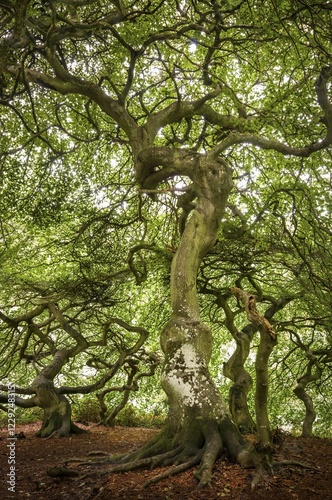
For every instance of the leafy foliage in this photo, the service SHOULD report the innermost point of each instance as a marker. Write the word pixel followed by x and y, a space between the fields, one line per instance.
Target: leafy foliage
pixel 95 95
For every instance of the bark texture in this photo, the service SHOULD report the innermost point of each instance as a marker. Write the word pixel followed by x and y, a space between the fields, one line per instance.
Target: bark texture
pixel 313 372
pixel 234 369
pixel 238 393
pixel 198 429
pixel 57 420
pixel 267 342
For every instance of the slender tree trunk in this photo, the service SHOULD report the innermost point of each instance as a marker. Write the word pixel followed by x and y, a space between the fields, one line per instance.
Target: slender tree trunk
pixel 234 367
pixel 301 393
pixel 264 350
pixel 109 419
pixel 238 393
pixel 267 343
pixel 310 414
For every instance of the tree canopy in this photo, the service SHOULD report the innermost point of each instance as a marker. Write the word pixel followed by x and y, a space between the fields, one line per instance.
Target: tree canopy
pixel 165 172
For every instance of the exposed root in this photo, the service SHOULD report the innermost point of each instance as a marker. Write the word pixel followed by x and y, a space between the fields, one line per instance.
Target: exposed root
pixel 161 443
pixel 97 453
pixel 78 460
pixel 200 445
pixel 284 463
pixel 266 467
pixel 75 429
pixel 64 430
pixel 212 451
pixel 263 472
pixel 172 471
pixel 62 472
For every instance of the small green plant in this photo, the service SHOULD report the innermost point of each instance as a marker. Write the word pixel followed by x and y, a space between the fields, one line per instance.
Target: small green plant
pixel 133 417
pixel 3 419
pixel 22 416
pixel 86 409
pixel 29 415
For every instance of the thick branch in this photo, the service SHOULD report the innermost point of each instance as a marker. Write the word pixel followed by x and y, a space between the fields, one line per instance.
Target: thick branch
pixel 21 402
pixel 60 358
pixel 88 389
pixel 65 83
pixel 173 161
pixel 305 151
pixel 123 355
pixel 177 111
pixel 249 302
pixel 26 317
pixel 75 334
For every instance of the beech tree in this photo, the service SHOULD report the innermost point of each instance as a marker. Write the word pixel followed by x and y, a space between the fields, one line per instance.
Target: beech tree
pixel 200 97
pixel 63 292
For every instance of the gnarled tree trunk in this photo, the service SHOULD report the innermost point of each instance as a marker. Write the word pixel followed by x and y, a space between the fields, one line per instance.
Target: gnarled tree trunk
pixel 267 342
pixel 57 420
pixel 197 415
pixel 198 429
pixel 238 393
pixel 301 392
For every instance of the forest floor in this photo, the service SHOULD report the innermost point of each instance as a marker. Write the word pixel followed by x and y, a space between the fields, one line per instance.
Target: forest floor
pixel 33 456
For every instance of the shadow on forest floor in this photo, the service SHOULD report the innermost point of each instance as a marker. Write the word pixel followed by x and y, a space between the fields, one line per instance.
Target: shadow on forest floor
pixel 33 456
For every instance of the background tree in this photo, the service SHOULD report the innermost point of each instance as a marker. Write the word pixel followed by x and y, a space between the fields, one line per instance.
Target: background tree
pixel 57 319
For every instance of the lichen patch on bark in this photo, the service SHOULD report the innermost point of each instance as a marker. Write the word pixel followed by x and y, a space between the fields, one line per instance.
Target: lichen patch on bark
pixel 183 375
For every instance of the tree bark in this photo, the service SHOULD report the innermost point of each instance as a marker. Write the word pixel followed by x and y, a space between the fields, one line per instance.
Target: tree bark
pixel 267 343
pixel 301 393
pixel 238 393
pixel 57 420
pixel 264 350
pixel 235 371
pixel 198 428
pixel 185 340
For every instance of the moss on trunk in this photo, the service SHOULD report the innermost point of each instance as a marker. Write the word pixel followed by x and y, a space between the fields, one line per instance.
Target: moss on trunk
pixel 238 393
pixel 198 429
pixel 57 420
